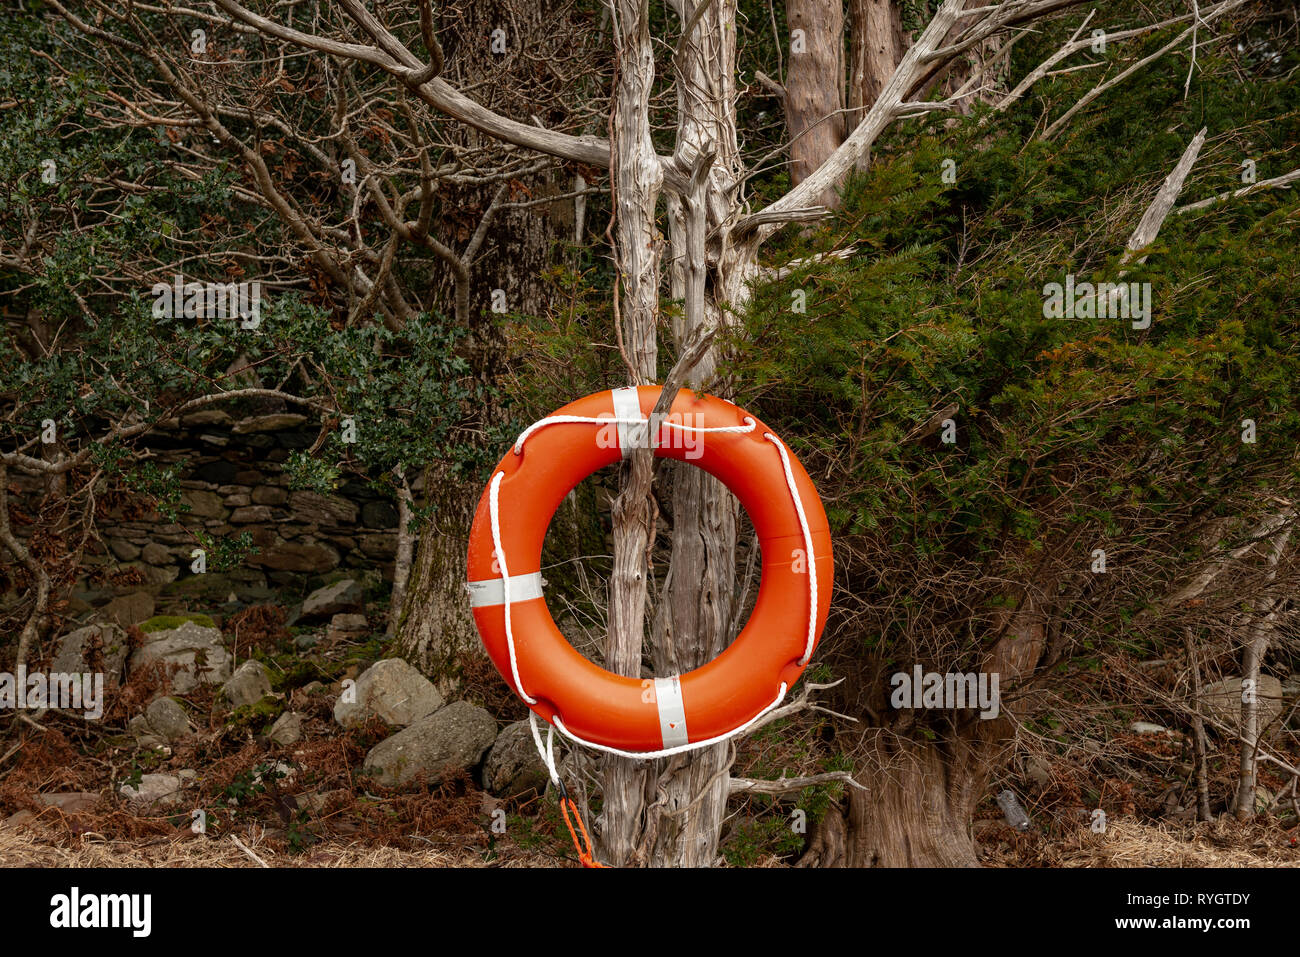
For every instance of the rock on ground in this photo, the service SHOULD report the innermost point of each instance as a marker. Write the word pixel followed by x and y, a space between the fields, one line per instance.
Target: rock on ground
pixel 71 802
pixel 1146 727
pixel 1222 702
pixel 287 729
pixel 343 597
pixel 391 689
pixel 167 719
pixel 456 736
pixel 153 788
pixel 248 685
pixel 513 765
pixel 184 646
pixel 91 648
pixel 145 736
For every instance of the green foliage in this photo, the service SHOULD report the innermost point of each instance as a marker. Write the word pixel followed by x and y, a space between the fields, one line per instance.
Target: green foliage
pixel 1070 433
pixel 251 783
pixel 258 716
pixel 756 838
pixel 228 552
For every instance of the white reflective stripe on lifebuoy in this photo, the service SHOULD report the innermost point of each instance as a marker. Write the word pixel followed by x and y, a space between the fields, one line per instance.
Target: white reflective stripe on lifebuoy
pixel 627 405
pixel 672 711
pixel 493 592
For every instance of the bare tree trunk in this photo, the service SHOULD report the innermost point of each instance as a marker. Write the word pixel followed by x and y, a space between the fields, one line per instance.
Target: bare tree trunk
pixel 1198 731
pixel 435 630
pixel 876 48
pixel 41 585
pixel 814 87
pixel 1258 633
pixel 405 552
pixel 637 178
pixel 922 794
pixel 709 276
pixel 922 799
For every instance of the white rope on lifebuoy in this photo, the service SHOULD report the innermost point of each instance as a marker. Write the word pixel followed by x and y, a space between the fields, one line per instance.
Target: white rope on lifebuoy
pixel 669 752
pixel 547 753
pixel 593 420
pixel 808 547
pixel 493 489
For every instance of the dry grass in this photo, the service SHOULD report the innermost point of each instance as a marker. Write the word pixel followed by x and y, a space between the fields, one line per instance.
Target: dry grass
pixel 1128 843
pixel 31 847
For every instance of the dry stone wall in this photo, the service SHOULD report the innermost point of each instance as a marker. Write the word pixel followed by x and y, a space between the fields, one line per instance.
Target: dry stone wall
pixel 232 482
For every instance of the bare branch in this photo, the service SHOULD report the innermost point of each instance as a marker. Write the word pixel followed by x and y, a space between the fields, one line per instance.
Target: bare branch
pixel 782 786
pixel 1149 226
pixel 1120 77
pixel 401 63
pixel 1277 182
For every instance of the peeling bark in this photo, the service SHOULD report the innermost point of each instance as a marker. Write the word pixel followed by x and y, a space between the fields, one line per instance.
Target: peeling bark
pixel 637 179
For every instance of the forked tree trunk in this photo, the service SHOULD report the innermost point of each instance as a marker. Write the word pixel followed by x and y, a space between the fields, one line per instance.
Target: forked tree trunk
pixel 669 813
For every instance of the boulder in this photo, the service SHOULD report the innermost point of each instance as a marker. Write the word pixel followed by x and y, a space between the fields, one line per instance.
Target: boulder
pixel 306 640
pixel 145 736
pixel 1037 768
pixel 378 515
pixel 348 623
pixel 342 597
pixel 167 719
pixel 94 648
pixel 1222 702
pixel 287 729
pixel 155 574
pixel 513 766
pixel 195 651
pixel 205 417
pixel 71 802
pixel 153 789
pixel 248 685
pixel 1146 727
pixel 456 736
pixel 392 690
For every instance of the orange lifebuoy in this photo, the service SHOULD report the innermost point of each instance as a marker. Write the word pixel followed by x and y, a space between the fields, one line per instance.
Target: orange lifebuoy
pixel 584 700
